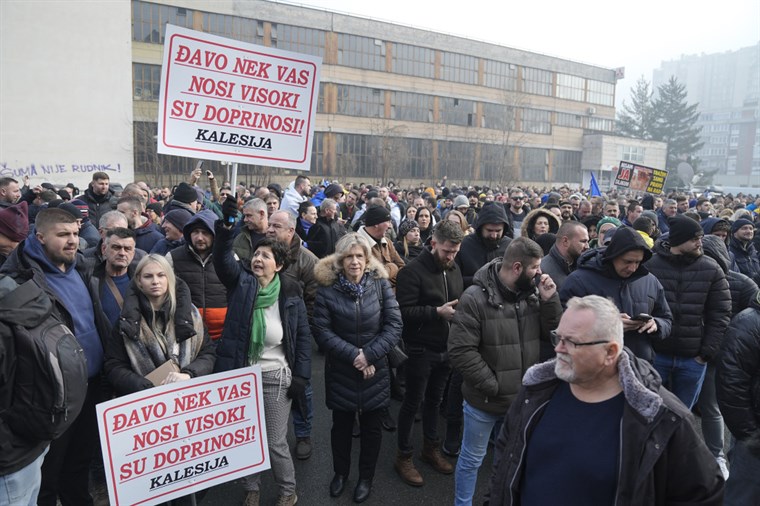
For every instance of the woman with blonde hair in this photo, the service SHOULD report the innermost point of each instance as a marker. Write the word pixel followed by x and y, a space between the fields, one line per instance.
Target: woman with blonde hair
pixel 458 217
pixel 357 321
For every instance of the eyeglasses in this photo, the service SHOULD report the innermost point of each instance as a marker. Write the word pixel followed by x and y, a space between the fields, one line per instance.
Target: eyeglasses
pixel 556 339
pixel 518 198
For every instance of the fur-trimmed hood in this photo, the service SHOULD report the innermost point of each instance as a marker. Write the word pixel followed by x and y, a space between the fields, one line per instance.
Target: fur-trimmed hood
pixel 527 224
pixel 639 380
pixel 326 274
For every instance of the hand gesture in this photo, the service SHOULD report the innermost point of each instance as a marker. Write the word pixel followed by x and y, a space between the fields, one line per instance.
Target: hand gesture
pixel 546 287
pixel 360 362
pixel 447 311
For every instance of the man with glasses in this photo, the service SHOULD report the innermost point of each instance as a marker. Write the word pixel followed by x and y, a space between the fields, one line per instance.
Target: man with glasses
pixel 517 209
pixel 617 272
pixel 493 339
pixel 594 426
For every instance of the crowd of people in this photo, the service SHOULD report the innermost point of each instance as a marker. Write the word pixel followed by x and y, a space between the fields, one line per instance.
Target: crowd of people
pixel 571 334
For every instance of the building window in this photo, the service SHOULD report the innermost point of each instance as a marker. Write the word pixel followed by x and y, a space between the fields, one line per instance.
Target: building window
pixel 355 155
pixel 569 120
pixel 533 162
pixel 321 98
pixel 500 75
pixel 317 154
pixel 419 156
pixel 411 107
pixel 149 21
pixel 566 166
pixel 497 163
pixel 498 117
pixel 413 60
pixel 455 111
pixel 633 154
pixel 299 39
pixel 233 27
pixel 601 93
pixel 146 81
pixel 601 124
pixel 571 87
pixel 535 121
pixel 457 159
pixel 358 101
pixel 361 52
pixel 537 82
pixel 459 68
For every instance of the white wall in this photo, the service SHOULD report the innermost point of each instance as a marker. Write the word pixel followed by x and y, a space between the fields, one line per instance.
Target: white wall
pixel 65 91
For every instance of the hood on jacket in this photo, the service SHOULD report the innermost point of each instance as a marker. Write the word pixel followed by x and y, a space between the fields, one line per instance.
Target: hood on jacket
pixel 326 273
pixel 205 219
pixel 708 224
pixel 26 305
pixel 487 278
pixel 493 213
pixel 626 239
pixel 639 380
pixel 715 248
pixel 530 221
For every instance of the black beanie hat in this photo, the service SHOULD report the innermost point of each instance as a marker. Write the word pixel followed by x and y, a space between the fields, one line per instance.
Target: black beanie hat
pixel 375 215
pixel 682 229
pixel 739 224
pixel 185 193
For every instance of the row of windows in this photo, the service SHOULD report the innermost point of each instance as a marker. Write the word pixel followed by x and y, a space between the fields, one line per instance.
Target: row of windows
pixel 633 153
pixel 149 25
pixel 405 106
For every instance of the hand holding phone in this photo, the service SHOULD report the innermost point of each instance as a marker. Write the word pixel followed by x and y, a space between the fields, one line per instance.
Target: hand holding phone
pixel 642 317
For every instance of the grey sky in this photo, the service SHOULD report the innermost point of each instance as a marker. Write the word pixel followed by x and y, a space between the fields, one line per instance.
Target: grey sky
pixel 635 35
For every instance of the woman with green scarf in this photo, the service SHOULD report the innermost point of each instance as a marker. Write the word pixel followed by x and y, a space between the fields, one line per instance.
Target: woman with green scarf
pixel 266 325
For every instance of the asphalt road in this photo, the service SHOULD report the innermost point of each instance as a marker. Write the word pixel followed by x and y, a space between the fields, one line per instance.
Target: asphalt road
pixel 313 476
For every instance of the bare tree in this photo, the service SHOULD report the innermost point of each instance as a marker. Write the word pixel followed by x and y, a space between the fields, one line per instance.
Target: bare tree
pixel 506 136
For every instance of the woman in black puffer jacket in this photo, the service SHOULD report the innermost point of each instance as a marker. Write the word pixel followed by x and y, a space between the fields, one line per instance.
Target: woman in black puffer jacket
pixel 356 322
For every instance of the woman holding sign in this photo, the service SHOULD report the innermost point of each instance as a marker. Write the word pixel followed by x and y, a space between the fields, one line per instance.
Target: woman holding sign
pixel 159 338
pixel 266 325
pixel 356 322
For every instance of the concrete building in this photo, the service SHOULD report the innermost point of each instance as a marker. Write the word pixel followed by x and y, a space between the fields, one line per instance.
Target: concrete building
pixel 727 88
pixel 396 103
pixel 602 154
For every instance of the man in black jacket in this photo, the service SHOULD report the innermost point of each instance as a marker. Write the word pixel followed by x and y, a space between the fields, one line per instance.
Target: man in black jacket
pixel 595 425
pixel 324 234
pixel 490 240
pixel 428 290
pixel 697 291
pixel 737 378
pixel 50 257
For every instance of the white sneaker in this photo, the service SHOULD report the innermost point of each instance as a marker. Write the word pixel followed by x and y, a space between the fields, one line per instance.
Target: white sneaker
pixel 723 467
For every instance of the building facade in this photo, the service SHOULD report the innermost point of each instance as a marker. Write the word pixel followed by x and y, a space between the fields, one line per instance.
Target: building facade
pixel 395 102
pixel 603 153
pixel 727 88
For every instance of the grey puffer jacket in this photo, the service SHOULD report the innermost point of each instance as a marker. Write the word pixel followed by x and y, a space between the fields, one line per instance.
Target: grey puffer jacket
pixel 495 337
pixel 344 324
pixel 663 461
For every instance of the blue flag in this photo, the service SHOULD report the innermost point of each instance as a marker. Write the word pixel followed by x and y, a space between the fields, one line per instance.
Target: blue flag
pixel 594 187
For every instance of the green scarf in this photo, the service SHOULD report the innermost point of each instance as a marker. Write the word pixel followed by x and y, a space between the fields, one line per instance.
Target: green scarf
pixel 265 298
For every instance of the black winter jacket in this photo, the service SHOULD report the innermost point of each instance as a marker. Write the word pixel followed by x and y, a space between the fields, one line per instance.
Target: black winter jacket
pixel 475 252
pixel 639 293
pixel 242 288
pixel 343 325
pixel 738 376
pixel 746 258
pixel 495 336
pixel 421 287
pixel 187 324
pixel 663 461
pixel 323 236
pixel 98 205
pixel 699 297
pixel 26 305
pixel 743 289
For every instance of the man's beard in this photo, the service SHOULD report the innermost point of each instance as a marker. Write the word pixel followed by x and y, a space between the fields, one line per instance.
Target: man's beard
pixel 566 215
pixel 443 264
pixel 523 282
pixel 490 243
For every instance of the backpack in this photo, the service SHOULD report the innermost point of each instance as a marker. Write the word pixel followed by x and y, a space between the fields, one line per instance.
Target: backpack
pixel 50 383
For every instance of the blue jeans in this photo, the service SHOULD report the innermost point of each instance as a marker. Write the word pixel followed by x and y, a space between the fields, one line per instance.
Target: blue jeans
pixel 477 429
pixel 681 375
pixel 712 420
pixel 21 488
pixel 301 427
pixel 742 487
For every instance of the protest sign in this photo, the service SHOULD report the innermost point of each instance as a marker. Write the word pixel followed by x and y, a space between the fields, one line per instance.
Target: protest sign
pixel 172 440
pixel 640 178
pixel 227 100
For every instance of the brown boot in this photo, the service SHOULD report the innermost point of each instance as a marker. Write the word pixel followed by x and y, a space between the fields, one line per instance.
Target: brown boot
pixel 431 454
pixel 405 469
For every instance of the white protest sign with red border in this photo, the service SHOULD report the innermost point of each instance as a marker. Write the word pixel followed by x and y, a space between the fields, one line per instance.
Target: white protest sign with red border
pixel 172 440
pixel 227 100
